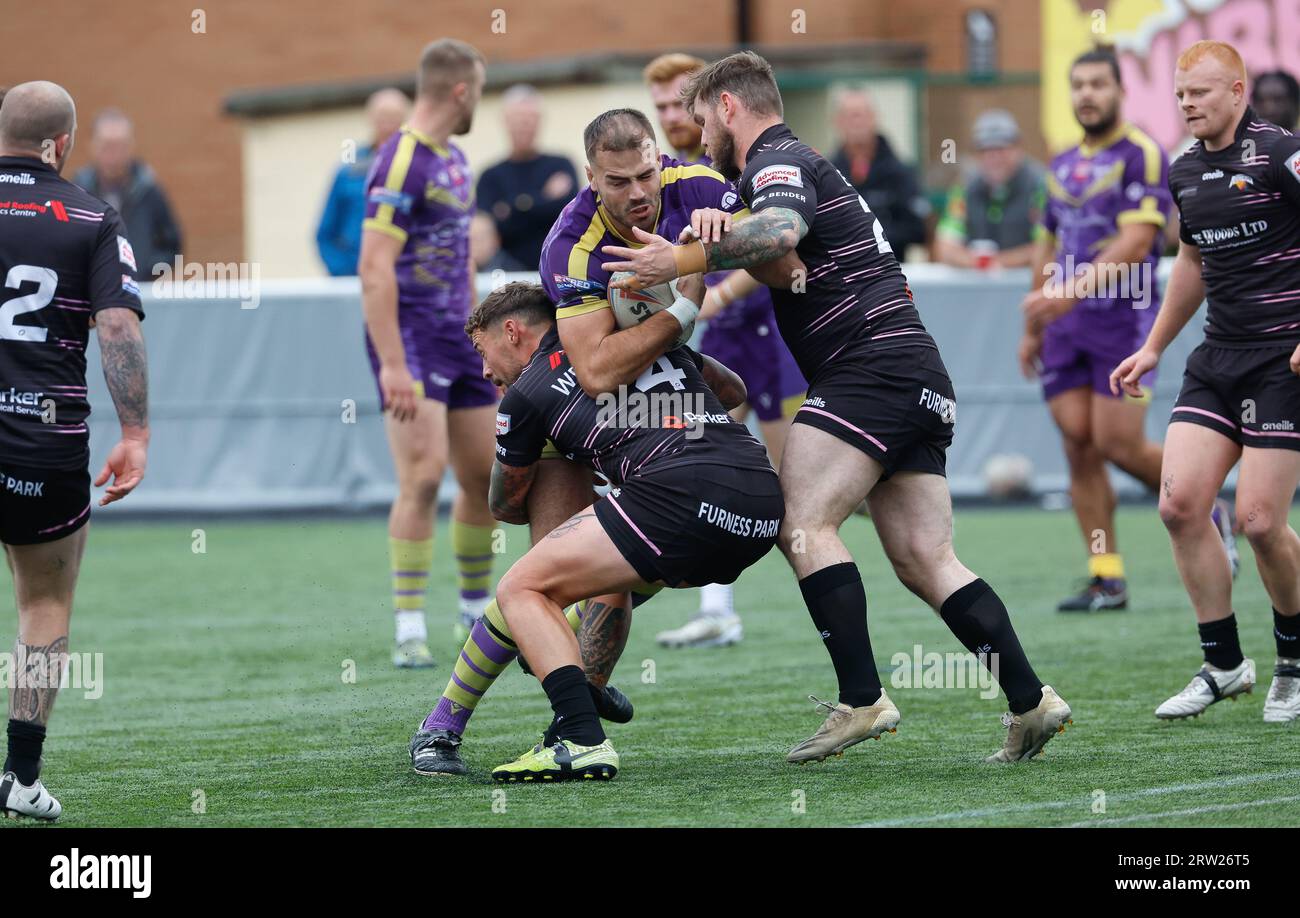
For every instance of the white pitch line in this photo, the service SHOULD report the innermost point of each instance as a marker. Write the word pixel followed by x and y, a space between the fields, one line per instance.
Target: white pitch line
pixel 1082 801
pixel 1191 811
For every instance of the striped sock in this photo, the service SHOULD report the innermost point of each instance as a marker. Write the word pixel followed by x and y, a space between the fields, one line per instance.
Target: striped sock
pixel 485 656
pixel 409 562
pixel 473 547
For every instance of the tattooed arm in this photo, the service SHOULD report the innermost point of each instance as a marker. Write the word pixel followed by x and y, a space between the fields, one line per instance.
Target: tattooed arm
pixel 762 237
pixel 121 347
pixel 508 492
pixel 604 631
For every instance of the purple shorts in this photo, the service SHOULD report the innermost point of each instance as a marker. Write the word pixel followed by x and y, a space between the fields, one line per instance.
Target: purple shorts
pixel 753 352
pixel 445 366
pixel 1081 349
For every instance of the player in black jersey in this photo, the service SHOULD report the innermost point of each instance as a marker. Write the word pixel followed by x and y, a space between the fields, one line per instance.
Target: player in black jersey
pixel 1238 191
pixel 879 413
pixel 694 500
pixel 67 265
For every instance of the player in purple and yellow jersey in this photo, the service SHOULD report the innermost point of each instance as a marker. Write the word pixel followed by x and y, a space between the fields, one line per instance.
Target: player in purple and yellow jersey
pixel 741 334
pixel 417 288
pixel 1094 301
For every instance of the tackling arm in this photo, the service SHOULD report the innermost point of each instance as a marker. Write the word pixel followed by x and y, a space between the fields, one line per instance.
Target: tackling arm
pixel 508 491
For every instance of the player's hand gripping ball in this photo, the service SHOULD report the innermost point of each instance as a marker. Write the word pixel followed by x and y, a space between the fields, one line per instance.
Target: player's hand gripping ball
pixel 632 307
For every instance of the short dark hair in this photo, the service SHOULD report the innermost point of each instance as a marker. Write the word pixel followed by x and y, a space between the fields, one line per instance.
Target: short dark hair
pixel 1289 85
pixel 1100 55
pixel 745 75
pixel 519 299
pixel 617 130
pixel 443 64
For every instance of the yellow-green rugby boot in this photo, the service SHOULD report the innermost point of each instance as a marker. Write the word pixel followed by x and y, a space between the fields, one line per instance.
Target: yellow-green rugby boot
pixel 564 761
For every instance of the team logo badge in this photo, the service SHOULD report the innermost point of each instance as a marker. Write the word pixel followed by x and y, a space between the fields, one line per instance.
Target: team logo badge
pixel 125 254
pixel 777 175
pixel 1239 182
pixel 728 199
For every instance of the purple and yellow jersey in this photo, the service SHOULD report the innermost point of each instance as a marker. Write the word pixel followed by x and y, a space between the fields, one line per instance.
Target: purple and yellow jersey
pixel 1094 190
pixel 571 256
pixel 422 194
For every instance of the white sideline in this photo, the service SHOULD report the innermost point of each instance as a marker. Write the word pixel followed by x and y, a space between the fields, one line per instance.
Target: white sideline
pixel 1191 811
pixel 1082 801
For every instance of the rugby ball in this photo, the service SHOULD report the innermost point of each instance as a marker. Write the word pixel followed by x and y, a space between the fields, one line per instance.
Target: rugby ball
pixel 632 307
pixel 1009 476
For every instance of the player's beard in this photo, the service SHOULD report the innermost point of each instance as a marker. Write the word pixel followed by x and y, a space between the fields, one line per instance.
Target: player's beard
pixel 1105 123
pixel 723 153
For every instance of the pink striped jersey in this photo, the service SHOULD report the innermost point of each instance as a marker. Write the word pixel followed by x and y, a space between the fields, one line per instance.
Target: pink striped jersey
pixel 64 256
pixel 667 418
pixel 856 299
pixel 1241 207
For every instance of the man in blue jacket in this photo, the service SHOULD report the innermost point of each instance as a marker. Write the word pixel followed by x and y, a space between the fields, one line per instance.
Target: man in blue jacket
pixel 338 238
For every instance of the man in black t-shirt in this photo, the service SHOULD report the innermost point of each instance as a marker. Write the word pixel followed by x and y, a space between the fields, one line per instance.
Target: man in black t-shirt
pixel 879 414
pixel 67 265
pixel 694 500
pixel 1238 193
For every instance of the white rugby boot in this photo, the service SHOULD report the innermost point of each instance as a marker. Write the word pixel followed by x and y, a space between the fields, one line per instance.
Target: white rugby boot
pixel 1209 686
pixel 1283 703
pixel 18 800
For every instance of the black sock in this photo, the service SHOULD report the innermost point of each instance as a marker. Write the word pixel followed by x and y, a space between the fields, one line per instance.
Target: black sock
pixel 838 606
pixel 978 618
pixel 1286 631
pixel 24 759
pixel 575 711
pixel 1219 643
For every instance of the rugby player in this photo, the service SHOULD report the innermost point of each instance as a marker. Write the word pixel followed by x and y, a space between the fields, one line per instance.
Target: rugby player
pixel 560 489
pixel 67 265
pixel 694 499
pixel 1238 192
pixel 741 333
pixel 879 414
pixel 417 286
pixel 1094 302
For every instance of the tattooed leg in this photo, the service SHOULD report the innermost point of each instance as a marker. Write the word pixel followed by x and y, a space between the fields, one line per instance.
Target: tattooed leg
pixel 44 579
pixel 603 635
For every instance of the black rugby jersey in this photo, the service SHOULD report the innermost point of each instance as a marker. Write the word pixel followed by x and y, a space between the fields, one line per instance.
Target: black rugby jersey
pixel 668 419
pixel 1241 207
pixel 856 298
pixel 64 256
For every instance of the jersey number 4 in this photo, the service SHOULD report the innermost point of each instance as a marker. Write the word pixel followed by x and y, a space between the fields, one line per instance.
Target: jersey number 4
pixel 32 302
pixel 661 371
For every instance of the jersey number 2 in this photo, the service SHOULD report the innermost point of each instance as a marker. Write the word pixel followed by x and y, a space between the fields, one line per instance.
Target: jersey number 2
pixel 32 302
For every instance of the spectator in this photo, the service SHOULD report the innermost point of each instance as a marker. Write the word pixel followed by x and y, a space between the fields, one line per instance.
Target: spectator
pixel 1276 98
pixel 523 194
pixel 128 184
pixel 990 217
pixel 338 237
pixel 867 160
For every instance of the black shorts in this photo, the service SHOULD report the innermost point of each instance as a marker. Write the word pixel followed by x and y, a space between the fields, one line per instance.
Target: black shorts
pixel 42 505
pixel 693 524
pixel 1248 395
pixel 897 406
